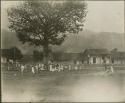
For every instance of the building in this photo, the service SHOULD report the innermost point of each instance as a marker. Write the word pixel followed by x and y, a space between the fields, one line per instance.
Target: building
pixel 117 57
pixel 96 56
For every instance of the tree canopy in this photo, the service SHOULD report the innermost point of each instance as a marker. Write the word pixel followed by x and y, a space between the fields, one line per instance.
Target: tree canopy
pixel 45 23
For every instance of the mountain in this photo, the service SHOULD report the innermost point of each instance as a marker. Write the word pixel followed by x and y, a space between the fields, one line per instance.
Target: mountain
pixel 9 39
pixel 89 39
pixel 73 42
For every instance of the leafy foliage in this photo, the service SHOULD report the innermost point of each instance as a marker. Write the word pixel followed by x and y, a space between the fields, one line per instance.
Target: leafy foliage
pixel 44 23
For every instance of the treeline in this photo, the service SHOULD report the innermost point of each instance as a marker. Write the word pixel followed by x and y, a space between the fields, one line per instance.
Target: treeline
pixel 13 53
pixel 57 56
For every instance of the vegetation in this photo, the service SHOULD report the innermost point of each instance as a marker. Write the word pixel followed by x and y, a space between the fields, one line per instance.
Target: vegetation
pixel 13 53
pixel 38 56
pixel 46 23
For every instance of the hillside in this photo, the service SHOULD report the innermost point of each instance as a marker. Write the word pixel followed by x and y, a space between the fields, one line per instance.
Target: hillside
pixel 73 43
pixel 89 39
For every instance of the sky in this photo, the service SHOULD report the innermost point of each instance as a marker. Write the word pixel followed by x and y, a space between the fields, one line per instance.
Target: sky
pixel 103 16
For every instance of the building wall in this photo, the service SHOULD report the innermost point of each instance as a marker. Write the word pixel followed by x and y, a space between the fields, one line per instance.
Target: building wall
pixel 98 60
pixel 119 61
pixel 123 61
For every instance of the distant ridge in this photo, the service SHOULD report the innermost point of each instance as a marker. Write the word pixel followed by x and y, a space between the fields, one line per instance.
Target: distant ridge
pixel 74 43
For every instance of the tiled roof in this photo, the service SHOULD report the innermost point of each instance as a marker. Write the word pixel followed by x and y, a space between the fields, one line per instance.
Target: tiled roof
pixel 96 51
pixel 118 54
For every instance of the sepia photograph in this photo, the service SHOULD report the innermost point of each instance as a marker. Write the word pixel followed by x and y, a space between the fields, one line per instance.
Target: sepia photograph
pixel 62 51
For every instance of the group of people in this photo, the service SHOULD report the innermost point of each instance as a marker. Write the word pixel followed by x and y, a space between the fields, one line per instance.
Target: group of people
pixel 35 68
pixel 52 67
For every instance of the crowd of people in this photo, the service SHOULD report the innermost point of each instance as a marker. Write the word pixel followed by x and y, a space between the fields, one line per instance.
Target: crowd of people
pixel 36 68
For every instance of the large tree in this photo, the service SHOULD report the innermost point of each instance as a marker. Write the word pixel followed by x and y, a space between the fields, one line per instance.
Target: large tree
pixel 46 23
pixel 37 55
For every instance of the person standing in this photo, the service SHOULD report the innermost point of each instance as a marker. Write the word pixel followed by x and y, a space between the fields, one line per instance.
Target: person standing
pixel 8 66
pixel 112 69
pixel 33 70
pixel 37 68
pixel 51 68
pixel 76 67
pixel 69 67
pixel 22 69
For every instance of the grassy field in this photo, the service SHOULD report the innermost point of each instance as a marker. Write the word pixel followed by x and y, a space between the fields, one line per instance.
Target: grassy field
pixel 84 85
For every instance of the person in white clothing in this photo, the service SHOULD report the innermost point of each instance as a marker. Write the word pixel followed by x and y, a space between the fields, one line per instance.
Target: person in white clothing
pixel 60 68
pixel 33 69
pixel 37 68
pixel 22 69
pixel 51 67
pixel 112 69
pixel 42 67
pixel 69 67
pixel 76 67
pixel 55 68
pixel 8 66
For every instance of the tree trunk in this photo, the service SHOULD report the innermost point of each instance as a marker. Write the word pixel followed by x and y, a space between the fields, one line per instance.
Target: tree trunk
pixel 46 56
